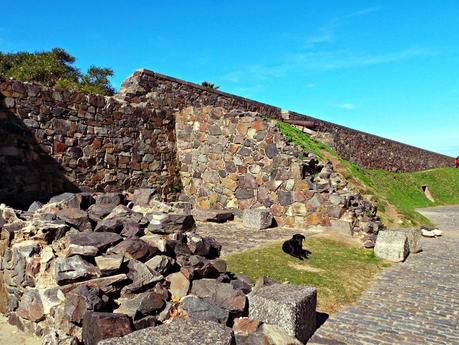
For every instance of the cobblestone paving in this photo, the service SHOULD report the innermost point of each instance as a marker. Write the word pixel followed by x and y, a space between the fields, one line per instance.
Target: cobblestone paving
pixel 415 302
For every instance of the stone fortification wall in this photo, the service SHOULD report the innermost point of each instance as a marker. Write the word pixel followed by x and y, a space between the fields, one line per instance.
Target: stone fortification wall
pixel 240 160
pixel 374 152
pixel 58 140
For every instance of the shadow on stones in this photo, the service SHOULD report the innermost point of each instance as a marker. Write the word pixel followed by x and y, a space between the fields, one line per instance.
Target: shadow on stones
pixel 28 173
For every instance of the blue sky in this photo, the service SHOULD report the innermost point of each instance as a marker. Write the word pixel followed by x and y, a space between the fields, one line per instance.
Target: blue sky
pixel 385 67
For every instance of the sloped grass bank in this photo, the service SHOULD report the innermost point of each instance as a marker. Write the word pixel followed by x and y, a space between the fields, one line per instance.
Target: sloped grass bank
pixel 403 191
pixel 339 272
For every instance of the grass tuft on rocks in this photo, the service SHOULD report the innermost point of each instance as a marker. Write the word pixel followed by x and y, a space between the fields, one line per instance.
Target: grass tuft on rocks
pixel 340 272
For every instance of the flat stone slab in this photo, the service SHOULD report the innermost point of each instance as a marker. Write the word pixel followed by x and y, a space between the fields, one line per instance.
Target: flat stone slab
pixel 179 332
pixel 291 307
pixel 214 216
pixel 392 245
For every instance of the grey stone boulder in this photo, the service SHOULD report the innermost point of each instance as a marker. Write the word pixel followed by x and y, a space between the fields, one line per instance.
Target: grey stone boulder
pixel 214 216
pixel 74 269
pixel 291 307
pixel 163 223
pixel 257 218
pixel 392 245
pixel 341 227
pixel 141 276
pixel 207 247
pixel 178 332
pixel 204 309
pixel 91 243
pixel 414 240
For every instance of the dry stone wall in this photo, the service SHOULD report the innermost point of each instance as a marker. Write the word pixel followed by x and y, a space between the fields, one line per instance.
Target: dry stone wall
pixel 58 140
pixel 240 160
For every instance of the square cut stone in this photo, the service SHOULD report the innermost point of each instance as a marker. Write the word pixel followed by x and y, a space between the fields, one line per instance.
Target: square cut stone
pixel 414 240
pixel 392 245
pixel 257 218
pixel 291 307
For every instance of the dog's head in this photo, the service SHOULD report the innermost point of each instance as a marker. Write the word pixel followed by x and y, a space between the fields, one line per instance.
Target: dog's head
pixel 298 238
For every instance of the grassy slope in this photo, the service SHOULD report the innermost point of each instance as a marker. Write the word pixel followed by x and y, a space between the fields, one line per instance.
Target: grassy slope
pixel 402 190
pixel 339 272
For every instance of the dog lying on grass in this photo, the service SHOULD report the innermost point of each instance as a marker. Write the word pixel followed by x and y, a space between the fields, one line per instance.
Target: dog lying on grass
pixel 294 247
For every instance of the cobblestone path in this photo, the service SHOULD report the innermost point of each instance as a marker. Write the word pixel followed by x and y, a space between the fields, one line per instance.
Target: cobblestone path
pixel 415 302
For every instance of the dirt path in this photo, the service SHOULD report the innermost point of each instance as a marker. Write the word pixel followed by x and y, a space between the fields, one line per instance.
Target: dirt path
pixel 10 335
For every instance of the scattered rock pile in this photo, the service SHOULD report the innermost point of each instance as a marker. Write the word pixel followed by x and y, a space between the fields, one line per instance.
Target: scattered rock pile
pixel 86 267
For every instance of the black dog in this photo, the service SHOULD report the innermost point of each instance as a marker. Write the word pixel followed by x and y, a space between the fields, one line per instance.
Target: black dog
pixel 294 247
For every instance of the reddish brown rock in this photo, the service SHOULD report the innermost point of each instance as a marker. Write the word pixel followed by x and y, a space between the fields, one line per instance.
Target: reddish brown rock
pixel 99 326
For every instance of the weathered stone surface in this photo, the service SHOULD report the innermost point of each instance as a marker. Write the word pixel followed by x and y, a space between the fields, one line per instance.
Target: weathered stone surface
pixel 141 276
pixel 204 309
pixel 83 243
pixel 107 285
pixel 110 225
pixel 252 332
pixel 80 300
pixel 134 248
pixel 215 216
pixel 291 307
pixel 143 196
pixel 414 240
pixel 140 305
pixel 222 294
pixel 73 269
pixel 36 303
pixel 257 218
pixel 203 246
pixel 161 264
pixel 161 223
pixel 341 227
pixel 392 245
pixel 109 264
pixel 179 284
pixel 99 326
pixel 179 332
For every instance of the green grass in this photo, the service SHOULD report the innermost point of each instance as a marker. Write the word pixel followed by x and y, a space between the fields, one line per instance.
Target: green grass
pixel 401 190
pixel 339 272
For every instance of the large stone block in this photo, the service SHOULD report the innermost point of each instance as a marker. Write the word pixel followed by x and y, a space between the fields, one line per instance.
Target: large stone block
pixel 414 240
pixel 257 218
pixel 291 307
pixel 99 326
pixel 341 227
pixel 179 332
pixel 392 245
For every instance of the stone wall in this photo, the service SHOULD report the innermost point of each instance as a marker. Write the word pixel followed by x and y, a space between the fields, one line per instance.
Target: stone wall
pixel 58 140
pixel 240 160
pixel 373 152
pixel 366 150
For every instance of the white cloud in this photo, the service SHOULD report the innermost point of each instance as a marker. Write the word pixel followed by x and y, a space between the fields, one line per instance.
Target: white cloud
pixel 348 106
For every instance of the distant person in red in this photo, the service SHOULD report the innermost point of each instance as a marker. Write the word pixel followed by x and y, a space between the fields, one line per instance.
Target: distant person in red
pixel 457 162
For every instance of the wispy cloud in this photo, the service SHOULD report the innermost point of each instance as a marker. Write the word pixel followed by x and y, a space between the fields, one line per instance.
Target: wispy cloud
pixel 347 106
pixel 363 12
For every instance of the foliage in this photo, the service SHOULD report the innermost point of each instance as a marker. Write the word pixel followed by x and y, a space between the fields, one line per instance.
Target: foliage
pixel 210 85
pixel 54 69
pixel 339 272
pixel 402 190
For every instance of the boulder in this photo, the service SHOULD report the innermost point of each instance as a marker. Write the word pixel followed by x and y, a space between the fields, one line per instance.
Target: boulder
pixel 291 307
pixel 141 305
pixel 178 332
pixel 73 269
pixel 109 264
pixel 91 243
pixel 204 309
pixel 110 225
pixel 203 246
pixel 143 196
pixel 35 304
pixel 179 284
pixel 392 245
pixel 222 294
pixel 99 326
pixel 75 217
pixel 161 264
pixel 257 218
pixel 134 248
pixel 341 227
pixel 141 276
pixel 214 216
pixel 82 299
pixel 162 223
pixel 414 240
